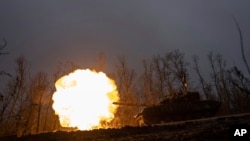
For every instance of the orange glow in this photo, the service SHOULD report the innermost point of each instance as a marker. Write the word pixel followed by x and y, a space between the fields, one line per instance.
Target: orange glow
pixel 83 99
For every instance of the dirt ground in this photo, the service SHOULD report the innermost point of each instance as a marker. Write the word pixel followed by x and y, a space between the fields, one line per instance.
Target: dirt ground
pixel 212 129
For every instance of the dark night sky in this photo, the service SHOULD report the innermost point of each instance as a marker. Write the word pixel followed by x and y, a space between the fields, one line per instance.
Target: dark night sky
pixel 49 31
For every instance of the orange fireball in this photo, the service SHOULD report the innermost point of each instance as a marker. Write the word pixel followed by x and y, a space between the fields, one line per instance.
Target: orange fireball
pixel 83 99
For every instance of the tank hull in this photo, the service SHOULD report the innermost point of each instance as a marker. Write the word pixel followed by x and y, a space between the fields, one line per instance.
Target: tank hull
pixel 178 111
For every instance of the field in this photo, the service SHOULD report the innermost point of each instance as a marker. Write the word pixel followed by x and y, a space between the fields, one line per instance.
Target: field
pixel 216 129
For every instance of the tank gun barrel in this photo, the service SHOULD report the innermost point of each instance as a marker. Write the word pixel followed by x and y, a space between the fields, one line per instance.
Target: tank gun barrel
pixel 130 104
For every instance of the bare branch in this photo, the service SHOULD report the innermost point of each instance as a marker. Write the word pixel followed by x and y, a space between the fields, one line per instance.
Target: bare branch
pixel 201 79
pixel 5 73
pixel 3 46
pixel 241 43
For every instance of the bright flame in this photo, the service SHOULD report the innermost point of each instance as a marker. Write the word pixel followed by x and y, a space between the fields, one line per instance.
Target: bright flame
pixel 83 99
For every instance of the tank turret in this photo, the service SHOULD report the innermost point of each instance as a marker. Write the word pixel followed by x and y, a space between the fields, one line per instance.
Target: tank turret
pixel 186 106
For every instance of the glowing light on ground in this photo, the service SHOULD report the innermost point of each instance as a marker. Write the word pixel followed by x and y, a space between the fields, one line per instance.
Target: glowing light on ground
pixel 83 99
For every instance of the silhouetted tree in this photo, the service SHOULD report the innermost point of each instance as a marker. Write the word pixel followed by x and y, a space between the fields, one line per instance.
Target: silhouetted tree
pixel 165 76
pixel 17 98
pixel 205 85
pixel 228 84
pixel 22 108
pixel 147 85
pixel 125 80
pixel 101 62
pixel 240 92
pixel 38 88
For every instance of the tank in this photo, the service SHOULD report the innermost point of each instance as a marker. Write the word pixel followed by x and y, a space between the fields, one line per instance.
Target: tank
pixel 186 106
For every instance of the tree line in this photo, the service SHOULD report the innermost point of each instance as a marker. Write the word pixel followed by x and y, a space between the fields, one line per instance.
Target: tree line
pixel 168 76
pixel 26 101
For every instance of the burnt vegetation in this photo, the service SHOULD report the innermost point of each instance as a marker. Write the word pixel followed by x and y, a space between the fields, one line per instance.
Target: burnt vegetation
pixel 26 101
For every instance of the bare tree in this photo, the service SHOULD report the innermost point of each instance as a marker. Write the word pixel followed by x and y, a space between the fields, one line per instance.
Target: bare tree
pixel 239 87
pixel 230 85
pixel 206 86
pixel 179 69
pixel 147 83
pixel 38 89
pixel 49 123
pixel 223 82
pixel 101 62
pixel 166 75
pixel 3 102
pixel 162 76
pixel 214 74
pixel 17 99
pixel 125 79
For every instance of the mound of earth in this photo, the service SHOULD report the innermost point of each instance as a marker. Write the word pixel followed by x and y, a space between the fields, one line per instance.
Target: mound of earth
pixel 215 129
